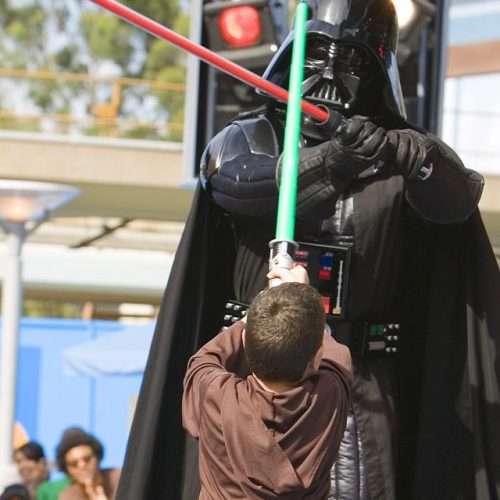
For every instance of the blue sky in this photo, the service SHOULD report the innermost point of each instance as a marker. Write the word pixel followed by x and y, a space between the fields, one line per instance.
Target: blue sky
pixel 473 21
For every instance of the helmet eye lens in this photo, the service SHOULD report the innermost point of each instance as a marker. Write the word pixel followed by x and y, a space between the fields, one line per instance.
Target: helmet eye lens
pixel 340 57
pixel 352 60
pixel 317 50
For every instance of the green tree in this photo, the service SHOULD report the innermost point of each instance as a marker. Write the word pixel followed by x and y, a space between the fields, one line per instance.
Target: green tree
pixel 164 12
pixel 107 38
pixel 78 36
pixel 166 63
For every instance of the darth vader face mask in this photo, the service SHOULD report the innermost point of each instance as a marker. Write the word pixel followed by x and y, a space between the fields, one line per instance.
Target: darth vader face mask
pixel 336 74
pixel 351 60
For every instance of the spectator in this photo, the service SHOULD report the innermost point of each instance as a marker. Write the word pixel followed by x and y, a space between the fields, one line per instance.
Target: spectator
pixel 50 490
pixel 79 455
pixel 32 466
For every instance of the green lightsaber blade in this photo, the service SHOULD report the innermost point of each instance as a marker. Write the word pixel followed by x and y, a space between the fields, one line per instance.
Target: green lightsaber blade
pixel 285 223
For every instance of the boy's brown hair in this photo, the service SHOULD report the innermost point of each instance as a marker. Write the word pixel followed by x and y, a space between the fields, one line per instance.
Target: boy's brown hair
pixel 284 329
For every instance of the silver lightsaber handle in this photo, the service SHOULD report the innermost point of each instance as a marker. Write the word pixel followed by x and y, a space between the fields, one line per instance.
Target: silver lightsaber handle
pixel 282 255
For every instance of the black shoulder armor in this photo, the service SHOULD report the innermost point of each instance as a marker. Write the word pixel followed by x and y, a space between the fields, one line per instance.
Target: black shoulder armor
pixel 253 135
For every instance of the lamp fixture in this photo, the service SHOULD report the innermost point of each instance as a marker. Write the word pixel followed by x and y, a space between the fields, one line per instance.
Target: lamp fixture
pixel 28 201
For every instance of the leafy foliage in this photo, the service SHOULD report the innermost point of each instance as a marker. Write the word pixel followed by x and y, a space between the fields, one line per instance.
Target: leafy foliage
pixel 76 36
pixel 107 38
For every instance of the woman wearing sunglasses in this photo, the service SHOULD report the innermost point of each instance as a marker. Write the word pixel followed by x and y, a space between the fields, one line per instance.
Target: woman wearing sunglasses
pixel 79 455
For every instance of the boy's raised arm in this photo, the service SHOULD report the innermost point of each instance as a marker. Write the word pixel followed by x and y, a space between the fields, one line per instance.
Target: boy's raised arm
pixel 220 358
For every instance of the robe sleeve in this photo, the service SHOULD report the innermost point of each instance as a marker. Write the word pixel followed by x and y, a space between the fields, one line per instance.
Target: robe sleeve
pixel 218 360
pixel 336 362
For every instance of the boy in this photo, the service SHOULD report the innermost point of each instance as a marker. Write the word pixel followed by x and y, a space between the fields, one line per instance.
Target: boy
pixel 268 401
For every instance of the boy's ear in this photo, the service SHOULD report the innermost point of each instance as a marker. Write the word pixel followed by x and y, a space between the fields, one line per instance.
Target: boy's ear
pixel 316 360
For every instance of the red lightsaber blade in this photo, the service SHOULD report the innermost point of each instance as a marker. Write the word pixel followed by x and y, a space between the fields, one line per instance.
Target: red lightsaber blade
pixel 208 56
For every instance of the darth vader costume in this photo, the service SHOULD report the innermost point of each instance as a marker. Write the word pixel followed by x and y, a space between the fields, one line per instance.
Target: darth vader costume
pixel 426 413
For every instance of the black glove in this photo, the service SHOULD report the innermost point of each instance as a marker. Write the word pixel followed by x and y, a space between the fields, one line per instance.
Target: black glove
pixel 412 152
pixel 327 169
pixel 360 145
pixel 450 192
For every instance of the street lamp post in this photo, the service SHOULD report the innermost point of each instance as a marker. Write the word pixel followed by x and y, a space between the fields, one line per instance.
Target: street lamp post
pixel 24 205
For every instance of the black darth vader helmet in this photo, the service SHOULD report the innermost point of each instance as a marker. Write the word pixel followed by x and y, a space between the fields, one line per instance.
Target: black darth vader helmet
pixel 350 60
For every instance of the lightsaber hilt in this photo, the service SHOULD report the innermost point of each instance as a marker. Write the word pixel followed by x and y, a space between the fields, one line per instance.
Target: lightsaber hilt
pixel 282 255
pixel 334 123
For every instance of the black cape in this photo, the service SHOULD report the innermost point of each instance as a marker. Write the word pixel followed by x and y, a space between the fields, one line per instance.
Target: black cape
pixel 454 452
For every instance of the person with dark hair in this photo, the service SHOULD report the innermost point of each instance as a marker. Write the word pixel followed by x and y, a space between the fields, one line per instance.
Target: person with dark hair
pixel 268 401
pixel 79 455
pixel 50 490
pixel 32 465
pixel 281 333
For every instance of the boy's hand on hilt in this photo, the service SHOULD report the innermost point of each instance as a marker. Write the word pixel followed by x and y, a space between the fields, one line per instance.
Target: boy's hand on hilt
pixel 296 274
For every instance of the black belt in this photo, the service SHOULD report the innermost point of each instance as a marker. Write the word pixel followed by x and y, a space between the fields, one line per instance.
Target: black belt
pixel 362 338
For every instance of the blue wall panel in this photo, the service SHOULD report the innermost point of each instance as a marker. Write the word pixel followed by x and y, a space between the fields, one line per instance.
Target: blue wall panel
pixel 49 400
pixel 28 388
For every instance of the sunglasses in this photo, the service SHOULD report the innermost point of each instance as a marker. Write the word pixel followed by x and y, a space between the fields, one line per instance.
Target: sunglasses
pixel 85 459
